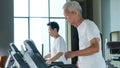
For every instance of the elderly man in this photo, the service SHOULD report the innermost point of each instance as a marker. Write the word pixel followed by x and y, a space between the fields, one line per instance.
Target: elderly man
pixel 89 53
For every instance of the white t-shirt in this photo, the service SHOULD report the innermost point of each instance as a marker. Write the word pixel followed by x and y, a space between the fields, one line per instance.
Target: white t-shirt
pixel 88 30
pixel 59 46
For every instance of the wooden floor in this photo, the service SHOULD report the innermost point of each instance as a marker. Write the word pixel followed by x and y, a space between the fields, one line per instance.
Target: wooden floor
pixel 2 61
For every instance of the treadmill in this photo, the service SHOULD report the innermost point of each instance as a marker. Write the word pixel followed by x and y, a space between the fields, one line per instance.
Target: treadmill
pixel 37 59
pixel 15 58
pixel 32 55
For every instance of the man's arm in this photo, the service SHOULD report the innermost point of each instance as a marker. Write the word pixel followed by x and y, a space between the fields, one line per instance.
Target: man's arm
pixel 54 58
pixel 48 55
pixel 94 48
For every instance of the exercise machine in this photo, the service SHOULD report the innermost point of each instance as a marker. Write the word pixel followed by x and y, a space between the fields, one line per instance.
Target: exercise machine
pixel 15 58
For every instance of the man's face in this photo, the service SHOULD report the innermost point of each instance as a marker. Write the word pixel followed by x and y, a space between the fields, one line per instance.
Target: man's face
pixel 69 16
pixel 51 31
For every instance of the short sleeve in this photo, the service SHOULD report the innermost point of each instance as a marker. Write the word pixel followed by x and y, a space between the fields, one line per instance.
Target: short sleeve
pixel 61 45
pixel 92 31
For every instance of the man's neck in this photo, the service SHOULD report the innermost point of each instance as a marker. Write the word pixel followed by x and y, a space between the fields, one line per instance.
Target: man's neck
pixel 56 36
pixel 80 21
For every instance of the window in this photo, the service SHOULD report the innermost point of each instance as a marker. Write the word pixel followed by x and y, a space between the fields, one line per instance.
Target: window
pixel 31 18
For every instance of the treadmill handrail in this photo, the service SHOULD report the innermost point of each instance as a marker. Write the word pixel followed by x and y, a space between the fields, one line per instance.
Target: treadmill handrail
pixel 15 49
pixel 20 61
pixel 30 45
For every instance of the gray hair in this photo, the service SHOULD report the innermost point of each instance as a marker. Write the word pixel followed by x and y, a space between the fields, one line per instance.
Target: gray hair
pixel 72 6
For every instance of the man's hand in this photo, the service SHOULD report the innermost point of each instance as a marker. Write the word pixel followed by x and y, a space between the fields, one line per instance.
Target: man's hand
pixel 48 62
pixel 69 54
